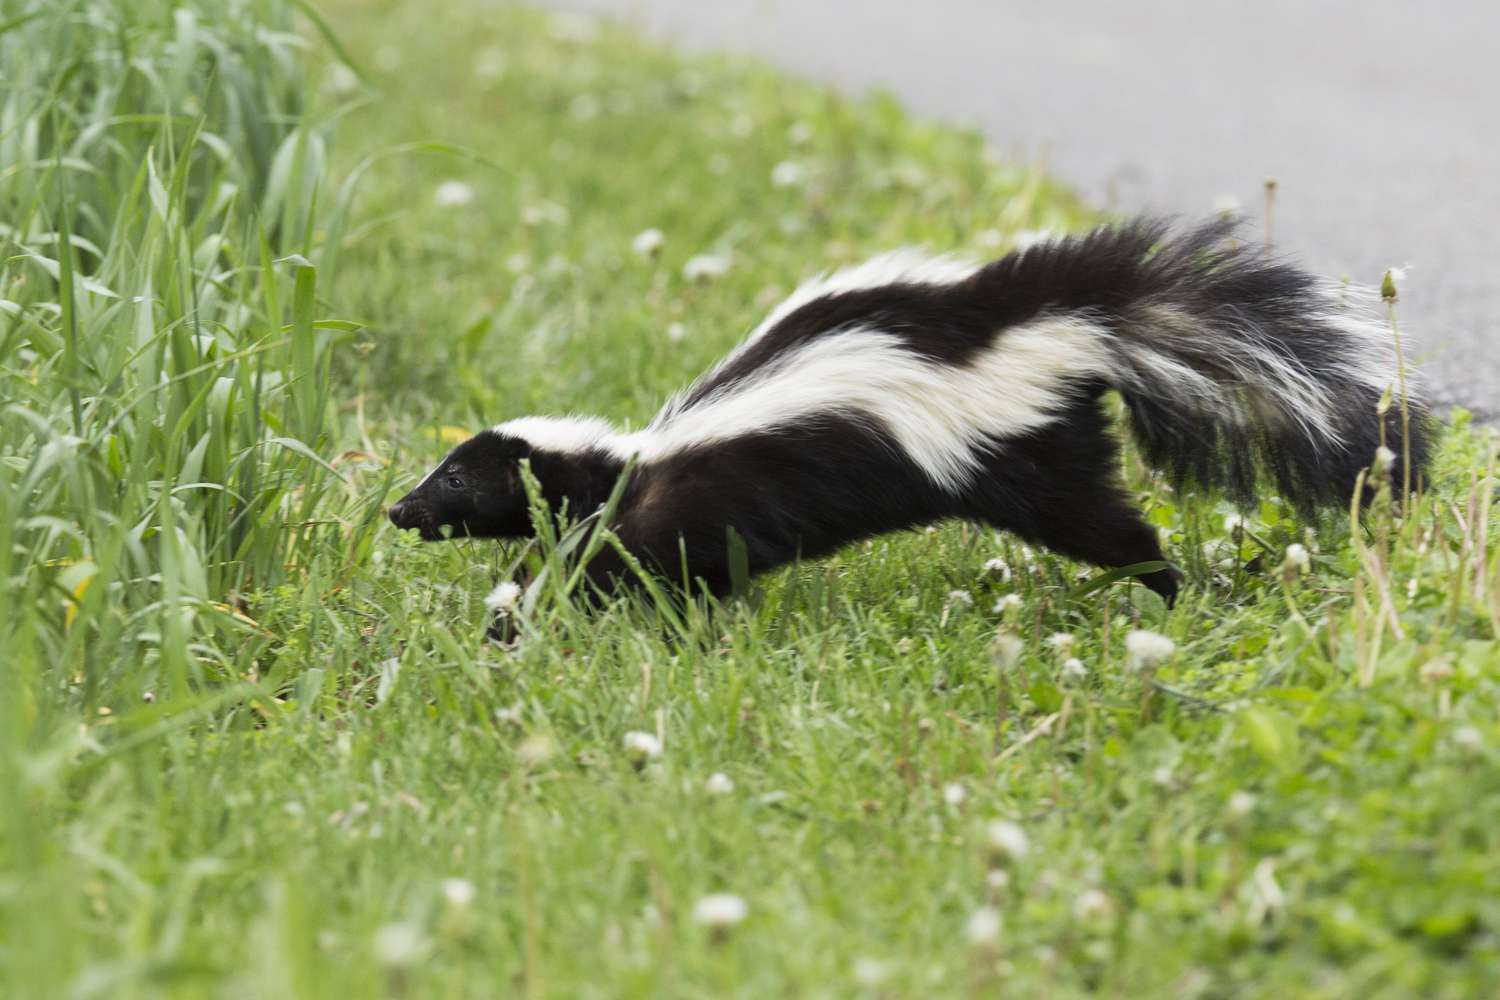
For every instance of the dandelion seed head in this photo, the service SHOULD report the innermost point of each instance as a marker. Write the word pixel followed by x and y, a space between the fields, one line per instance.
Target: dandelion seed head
pixel 787 174
pixel 1073 670
pixel 1240 804
pixel 1297 559
pixel 998 567
pixel 648 242
pixel 504 598
pixel 458 892
pixel 453 194
pixel 705 267
pixel 718 783
pixel 1007 648
pixel 720 910
pixel 983 927
pixel 399 945
pixel 1007 841
pixel 1145 648
pixel 954 794
pixel 641 747
pixel 1010 602
pixel 960 598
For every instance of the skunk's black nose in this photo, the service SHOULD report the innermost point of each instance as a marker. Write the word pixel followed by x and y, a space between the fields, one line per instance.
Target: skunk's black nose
pixel 395 513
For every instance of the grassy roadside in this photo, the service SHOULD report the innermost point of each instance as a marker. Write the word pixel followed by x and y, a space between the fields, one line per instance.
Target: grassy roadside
pixel 335 787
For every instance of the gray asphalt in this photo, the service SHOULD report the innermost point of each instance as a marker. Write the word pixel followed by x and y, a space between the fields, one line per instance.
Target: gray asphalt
pixel 1380 120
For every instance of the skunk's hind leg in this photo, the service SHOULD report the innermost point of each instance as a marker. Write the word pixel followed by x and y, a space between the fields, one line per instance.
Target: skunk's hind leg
pixel 1059 489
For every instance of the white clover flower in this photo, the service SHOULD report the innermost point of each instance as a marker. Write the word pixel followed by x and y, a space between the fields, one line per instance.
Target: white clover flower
pixel 788 173
pixel 983 927
pixel 1145 648
pixel 997 879
pixel 1227 204
pixel 705 266
pixel 720 910
pixel 676 332
pixel 1092 904
pixel 458 891
pixel 718 783
pixel 1007 648
pixel 960 598
pixel 1468 738
pixel 1073 670
pixel 641 747
pixel 1297 560
pixel 453 194
pixel 800 133
pixel 1161 777
pixel 399 945
pixel 648 242
pixel 1240 804
pixel 1007 841
pixel 504 598
pixel 954 794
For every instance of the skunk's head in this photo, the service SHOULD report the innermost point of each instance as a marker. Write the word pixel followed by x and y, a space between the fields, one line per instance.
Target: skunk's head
pixel 476 491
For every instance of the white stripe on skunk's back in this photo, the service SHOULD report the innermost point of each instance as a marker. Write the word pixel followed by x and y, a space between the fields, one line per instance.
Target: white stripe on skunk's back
pixel 907 265
pixel 941 415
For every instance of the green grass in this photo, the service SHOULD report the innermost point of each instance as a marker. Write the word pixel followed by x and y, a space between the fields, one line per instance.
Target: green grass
pixel 248 732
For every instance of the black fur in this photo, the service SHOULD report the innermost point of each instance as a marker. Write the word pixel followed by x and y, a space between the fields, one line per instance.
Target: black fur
pixel 805 490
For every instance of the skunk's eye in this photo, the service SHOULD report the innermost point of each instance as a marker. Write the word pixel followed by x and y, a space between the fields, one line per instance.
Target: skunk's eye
pixel 454 483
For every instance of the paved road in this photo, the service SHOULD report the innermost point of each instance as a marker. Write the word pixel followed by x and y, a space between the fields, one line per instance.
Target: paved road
pixel 1379 119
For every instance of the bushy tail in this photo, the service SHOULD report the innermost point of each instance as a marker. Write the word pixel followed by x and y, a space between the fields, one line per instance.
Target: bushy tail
pixel 1236 366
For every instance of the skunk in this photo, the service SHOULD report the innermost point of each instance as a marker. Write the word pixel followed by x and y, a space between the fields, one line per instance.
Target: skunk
pixel 911 389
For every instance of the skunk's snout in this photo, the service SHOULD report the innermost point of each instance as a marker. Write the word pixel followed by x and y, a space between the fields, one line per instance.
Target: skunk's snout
pixel 399 513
